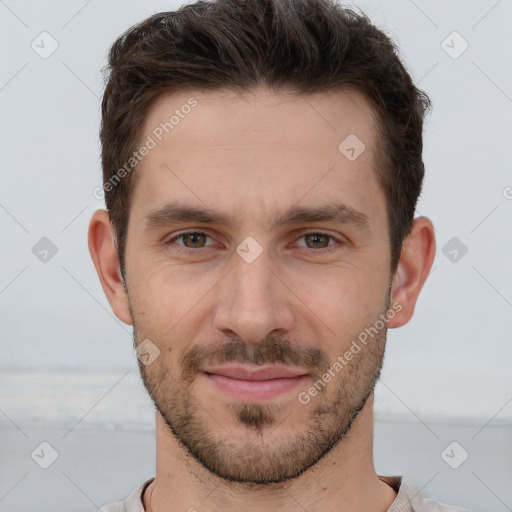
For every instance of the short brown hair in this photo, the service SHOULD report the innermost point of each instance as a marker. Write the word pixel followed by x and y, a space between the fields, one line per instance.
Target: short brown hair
pixel 306 46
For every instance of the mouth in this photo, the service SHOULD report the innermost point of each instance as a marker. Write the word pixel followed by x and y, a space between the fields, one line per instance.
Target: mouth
pixel 245 382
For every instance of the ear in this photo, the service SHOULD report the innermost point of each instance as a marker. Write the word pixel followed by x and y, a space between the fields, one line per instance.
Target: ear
pixel 104 255
pixel 417 257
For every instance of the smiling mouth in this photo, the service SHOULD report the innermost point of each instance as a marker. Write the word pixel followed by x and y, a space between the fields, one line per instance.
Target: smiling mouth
pixel 245 383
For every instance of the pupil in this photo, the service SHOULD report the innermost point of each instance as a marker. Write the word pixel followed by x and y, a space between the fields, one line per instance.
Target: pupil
pixel 194 237
pixel 316 237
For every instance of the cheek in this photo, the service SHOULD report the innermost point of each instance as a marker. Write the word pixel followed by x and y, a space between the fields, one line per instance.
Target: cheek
pixel 156 301
pixel 170 305
pixel 343 300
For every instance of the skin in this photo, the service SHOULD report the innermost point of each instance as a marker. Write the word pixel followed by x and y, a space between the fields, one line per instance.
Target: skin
pixel 250 156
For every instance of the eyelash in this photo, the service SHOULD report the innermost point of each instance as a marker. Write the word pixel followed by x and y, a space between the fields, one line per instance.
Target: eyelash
pixel 325 250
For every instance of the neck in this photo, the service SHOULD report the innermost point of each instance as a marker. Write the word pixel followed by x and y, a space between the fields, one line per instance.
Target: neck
pixel 342 481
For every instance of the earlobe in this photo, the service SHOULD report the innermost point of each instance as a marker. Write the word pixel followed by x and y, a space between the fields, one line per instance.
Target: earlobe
pixel 104 255
pixel 417 257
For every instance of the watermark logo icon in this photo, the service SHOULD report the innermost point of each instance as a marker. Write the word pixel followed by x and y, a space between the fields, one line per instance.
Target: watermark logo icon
pixel 351 147
pixel 454 45
pixel 454 455
pixel 454 249
pixel 44 455
pixel 147 352
pixel 249 250
pixel 44 250
pixel 44 45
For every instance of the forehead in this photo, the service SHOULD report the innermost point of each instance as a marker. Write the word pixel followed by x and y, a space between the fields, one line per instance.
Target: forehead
pixel 227 117
pixel 251 150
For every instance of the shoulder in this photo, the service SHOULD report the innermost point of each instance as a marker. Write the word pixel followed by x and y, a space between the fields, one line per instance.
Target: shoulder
pixel 409 499
pixel 133 503
pixel 113 507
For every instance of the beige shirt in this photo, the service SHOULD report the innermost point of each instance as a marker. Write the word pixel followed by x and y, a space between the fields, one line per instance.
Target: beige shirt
pixel 408 499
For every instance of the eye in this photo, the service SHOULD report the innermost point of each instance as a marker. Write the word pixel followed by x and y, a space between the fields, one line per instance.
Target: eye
pixel 196 239
pixel 315 241
pixel 319 240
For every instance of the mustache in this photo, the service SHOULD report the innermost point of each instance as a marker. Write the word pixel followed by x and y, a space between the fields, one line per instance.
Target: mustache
pixel 271 350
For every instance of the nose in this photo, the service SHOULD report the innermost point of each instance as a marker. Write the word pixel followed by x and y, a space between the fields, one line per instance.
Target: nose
pixel 253 301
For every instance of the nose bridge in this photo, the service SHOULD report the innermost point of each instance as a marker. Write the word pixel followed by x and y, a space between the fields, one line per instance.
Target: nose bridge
pixel 252 302
pixel 252 280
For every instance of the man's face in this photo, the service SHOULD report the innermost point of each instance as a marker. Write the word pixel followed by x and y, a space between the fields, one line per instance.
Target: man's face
pixel 255 289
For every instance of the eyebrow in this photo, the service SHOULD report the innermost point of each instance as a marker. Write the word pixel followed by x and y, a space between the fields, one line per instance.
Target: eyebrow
pixel 175 213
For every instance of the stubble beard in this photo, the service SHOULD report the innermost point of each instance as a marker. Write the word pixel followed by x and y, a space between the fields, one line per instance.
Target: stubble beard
pixel 255 452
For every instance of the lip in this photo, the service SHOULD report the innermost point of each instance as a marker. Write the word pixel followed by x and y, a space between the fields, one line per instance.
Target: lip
pixel 245 372
pixel 254 383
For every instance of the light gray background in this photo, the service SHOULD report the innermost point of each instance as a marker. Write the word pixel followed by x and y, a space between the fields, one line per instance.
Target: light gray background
pixel 66 362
